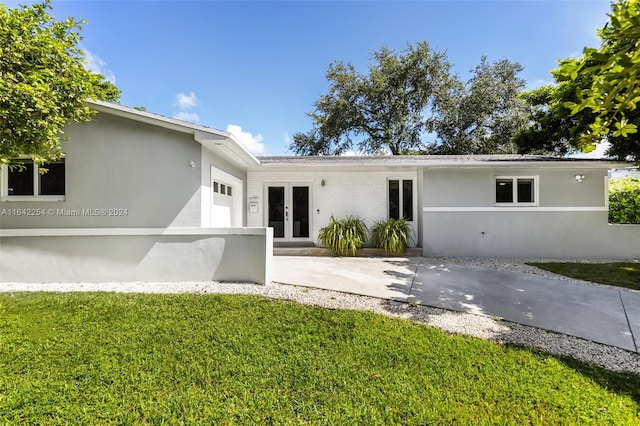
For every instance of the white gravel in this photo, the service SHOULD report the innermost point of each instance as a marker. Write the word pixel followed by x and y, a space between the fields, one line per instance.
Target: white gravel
pixel 484 327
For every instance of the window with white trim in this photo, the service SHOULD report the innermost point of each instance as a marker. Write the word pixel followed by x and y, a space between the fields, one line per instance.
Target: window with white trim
pixel 24 180
pixel 517 190
pixel 400 197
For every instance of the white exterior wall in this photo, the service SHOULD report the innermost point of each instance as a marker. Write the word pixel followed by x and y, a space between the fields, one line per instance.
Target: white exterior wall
pixel 460 216
pixel 359 191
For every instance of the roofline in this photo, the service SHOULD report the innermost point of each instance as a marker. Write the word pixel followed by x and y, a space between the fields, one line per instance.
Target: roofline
pixel 435 161
pixel 206 136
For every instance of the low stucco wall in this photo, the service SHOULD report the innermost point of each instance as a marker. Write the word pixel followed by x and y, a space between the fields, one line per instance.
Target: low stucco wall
pixel 529 234
pixel 103 255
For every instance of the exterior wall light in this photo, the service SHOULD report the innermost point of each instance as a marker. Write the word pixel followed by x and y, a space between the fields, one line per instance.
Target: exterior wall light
pixel 579 178
pixel 192 164
pixel 322 183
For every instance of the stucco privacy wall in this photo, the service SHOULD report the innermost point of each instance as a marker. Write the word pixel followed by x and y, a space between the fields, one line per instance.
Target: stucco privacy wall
pixel 460 217
pixel 94 255
pixel 348 190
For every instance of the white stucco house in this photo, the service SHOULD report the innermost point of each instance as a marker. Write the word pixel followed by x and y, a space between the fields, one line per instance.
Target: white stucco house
pixel 140 196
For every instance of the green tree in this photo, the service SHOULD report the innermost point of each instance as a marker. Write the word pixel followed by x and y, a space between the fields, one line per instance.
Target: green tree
pixel 597 94
pixel 553 128
pixel 43 82
pixel 382 110
pixel 482 116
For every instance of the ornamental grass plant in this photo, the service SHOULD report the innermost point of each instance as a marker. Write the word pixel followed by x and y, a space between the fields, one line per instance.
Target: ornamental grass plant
pixel 392 235
pixel 345 236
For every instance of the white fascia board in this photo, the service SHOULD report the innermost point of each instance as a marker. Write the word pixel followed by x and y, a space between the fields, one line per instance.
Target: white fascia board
pixel 530 165
pixel 441 162
pixel 153 119
pixel 228 146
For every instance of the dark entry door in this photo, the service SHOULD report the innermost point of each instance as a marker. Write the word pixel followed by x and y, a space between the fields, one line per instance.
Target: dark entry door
pixel 288 211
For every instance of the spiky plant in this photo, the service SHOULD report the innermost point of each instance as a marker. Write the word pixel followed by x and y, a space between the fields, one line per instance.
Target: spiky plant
pixel 393 236
pixel 343 237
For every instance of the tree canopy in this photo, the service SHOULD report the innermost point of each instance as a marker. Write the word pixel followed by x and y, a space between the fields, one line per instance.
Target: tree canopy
pixel 595 97
pixel 482 116
pixel 43 82
pixel 409 96
pixel 382 110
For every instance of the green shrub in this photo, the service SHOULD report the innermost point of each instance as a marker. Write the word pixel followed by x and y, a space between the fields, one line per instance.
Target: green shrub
pixel 345 236
pixel 392 235
pixel 624 200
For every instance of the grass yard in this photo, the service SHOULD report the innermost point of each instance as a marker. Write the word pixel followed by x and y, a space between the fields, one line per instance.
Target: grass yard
pixel 621 274
pixel 105 358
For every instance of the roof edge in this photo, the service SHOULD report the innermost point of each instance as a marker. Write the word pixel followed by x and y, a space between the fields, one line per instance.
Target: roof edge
pixel 202 134
pixel 438 161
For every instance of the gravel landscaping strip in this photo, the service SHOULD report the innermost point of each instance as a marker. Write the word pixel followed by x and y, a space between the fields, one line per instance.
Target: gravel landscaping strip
pixel 480 326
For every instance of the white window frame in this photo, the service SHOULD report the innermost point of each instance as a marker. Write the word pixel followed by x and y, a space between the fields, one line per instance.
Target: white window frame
pixel 4 187
pixel 401 197
pixel 515 203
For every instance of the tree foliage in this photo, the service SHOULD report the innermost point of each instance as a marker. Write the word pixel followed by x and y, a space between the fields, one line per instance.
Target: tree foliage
pixel 382 110
pixel 624 200
pixel 614 70
pixel 482 116
pixel 43 82
pixel 407 96
pixel 595 96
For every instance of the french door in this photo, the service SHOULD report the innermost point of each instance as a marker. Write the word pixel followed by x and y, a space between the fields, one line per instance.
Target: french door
pixel 288 211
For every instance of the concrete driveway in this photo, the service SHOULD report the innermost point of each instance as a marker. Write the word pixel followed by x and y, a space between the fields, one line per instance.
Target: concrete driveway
pixel 602 314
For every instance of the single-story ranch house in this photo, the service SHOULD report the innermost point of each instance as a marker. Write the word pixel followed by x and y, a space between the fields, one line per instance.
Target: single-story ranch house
pixel 144 197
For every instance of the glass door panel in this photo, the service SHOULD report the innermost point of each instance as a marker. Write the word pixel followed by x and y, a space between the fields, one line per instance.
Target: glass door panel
pixel 276 210
pixel 300 211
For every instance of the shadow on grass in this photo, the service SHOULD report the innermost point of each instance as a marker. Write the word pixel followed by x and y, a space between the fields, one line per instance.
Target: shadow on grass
pixel 530 339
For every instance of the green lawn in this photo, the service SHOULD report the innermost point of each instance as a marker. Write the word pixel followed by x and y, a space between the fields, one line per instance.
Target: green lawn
pixel 621 274
pixel 104 358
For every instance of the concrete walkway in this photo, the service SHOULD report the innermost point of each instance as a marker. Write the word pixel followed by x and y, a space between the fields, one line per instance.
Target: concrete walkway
pixel 602 314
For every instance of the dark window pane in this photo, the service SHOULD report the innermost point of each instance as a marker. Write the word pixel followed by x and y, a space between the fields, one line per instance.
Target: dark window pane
pixel 276 210
pixel 407 199
pixel 525 191
pixel 52 182
pixel 215 187
pixel 223 189
pixel 301 212
pixel 228 190
pixel 504 191
pixel 394 199
pixel 20 180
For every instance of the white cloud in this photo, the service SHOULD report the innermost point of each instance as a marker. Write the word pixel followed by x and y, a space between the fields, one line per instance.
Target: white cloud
pixel 252 143
pixel 599 152
pixel 186 101
pixel 96 64
pixel 187 116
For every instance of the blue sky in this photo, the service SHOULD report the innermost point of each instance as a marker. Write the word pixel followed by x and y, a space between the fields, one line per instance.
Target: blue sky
pixel 256 68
